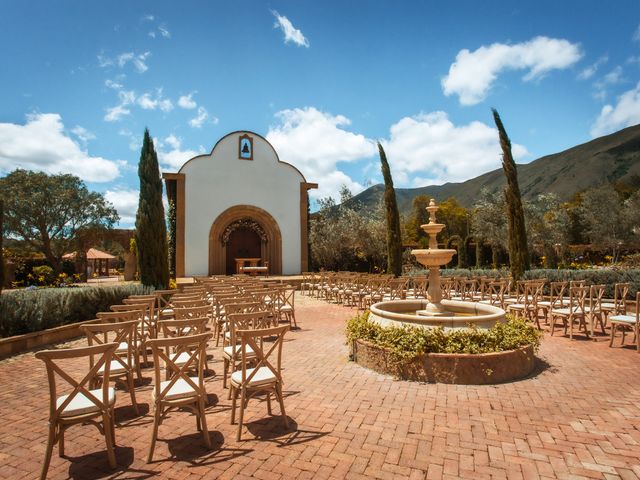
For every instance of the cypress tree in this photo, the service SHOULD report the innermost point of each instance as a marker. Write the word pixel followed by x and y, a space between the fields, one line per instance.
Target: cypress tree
pixel 151 230
pixel 394 239
pixel 518 251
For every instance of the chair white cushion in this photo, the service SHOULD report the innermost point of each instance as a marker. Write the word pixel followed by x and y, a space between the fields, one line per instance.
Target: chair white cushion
pixel 182 358
pixel 116 368
pixel 180 389
pixel 228 351
pixel 630 319
pixel 566 311
pixel 81 404
pixel 264 376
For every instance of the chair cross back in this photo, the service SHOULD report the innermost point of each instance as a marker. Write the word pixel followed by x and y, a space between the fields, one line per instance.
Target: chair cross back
pixel 578 299
pixel 146 323
pixel 241 307
pixel 195 346
pixel 50 357
pixel 183 327
pixel 123 332
pixel 195 302
pixel 249 342
pixel 121 316
pixel 247 321
pixel 192 312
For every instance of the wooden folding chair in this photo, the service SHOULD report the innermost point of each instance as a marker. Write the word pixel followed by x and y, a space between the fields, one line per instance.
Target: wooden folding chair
pixel 146 326
pixel 180 390
pixel 285 306
pixel 164 311
pixel 626 322
pixel 575 310
pixel 123 363
pixel 264 377
pixel 182 328
pixel 619 305
pixel 529 306
pixel 556 299
pixel 594 307
pixel 81 405
pixel 231 344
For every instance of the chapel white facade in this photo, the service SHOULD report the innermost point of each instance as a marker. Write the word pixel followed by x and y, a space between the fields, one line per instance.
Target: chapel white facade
pixel 240 201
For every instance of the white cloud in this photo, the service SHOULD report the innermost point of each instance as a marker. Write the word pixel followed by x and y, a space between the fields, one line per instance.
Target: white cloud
pixel 315 142
pixel 42 144
pixel 113 85
pixel 187 102
pixel 200 118
pixel 624 113
pixel 636 34
pixel 137 60
pixel 614 77
pixel 590 71
pixel 114 114
pixel 429 149
pixel 125 202
pixel 152 34
pixel 174 157
pixel 104 62
pixel 148 18
pixel 472 74
pixel 135 142
pixel 164 32
pixel 147 102
pixel 83 134
pixel 291 34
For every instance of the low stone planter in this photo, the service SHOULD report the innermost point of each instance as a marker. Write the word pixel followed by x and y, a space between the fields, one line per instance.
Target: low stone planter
pixel 453 368
pixel 21 343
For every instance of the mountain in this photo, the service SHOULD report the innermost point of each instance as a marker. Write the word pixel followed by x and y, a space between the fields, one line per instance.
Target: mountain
pixel 613 158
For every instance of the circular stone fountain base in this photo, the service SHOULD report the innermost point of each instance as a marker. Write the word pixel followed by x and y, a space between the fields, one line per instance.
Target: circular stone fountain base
pixel 398 313
pixel 460 369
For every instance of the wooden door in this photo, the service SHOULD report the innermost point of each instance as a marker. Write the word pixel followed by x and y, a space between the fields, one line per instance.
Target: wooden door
pixel 243 243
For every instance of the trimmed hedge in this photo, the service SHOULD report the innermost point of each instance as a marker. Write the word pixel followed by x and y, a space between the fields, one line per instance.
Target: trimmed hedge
pixel 26 311
pixel 408 342
pixel 593 276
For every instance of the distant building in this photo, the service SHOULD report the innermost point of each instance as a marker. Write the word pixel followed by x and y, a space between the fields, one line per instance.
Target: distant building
pixel 239 202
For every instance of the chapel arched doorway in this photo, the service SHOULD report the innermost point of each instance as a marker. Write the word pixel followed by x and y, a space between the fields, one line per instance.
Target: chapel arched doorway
pixel 243 242
pixel 240 230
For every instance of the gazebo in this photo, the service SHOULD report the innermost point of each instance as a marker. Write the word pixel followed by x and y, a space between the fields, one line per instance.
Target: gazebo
pixel 99 261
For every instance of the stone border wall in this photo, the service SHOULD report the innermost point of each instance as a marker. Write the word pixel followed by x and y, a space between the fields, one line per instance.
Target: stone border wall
pixel 461 368
pixel 21 343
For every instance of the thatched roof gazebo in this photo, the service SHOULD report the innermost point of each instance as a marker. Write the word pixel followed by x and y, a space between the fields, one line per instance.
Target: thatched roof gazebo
pixel 98 259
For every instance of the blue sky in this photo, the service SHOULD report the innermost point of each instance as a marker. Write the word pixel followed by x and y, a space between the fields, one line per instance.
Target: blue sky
pixel 321 80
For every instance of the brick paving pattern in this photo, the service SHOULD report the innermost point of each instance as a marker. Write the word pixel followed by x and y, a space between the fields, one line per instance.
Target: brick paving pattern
pixel 578 417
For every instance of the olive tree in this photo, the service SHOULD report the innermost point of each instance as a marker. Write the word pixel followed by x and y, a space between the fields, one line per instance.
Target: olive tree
pixel 49 212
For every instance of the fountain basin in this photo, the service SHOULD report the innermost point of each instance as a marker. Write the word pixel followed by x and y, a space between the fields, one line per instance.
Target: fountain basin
pixel 433 257
pixel 399 313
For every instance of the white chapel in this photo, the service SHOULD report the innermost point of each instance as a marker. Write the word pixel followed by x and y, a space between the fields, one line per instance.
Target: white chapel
pixel 239 205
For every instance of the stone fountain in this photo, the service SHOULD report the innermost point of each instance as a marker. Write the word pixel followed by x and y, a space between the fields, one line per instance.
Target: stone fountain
pixel 433 258
pixel 434 311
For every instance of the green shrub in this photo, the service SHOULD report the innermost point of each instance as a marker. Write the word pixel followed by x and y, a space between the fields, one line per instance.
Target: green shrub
pixel 32 310
pixel 408 342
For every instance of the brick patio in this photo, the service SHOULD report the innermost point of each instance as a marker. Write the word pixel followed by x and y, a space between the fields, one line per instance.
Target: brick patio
pixel 578 417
